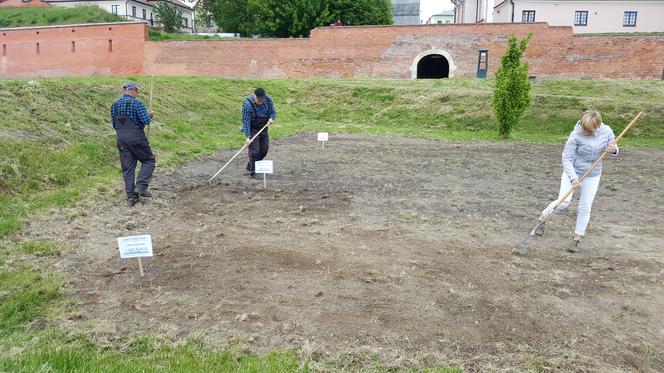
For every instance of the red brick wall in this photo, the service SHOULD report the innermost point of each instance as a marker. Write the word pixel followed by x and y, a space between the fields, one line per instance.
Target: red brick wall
pixel 76 50
pixel 18 3
pixel 378 51
pixel 390 51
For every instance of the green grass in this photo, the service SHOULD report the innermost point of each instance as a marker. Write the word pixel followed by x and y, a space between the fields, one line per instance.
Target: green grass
pixel 82 356
pixel 26 292
pixel 156 35
pixel 44 16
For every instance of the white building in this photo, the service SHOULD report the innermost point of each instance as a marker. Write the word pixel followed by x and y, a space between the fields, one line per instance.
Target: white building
pixel 134 10
pixel 586 16
pixel 473 11
pixel 442 18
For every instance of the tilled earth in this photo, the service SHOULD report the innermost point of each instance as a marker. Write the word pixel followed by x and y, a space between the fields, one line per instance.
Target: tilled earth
pixel 387 249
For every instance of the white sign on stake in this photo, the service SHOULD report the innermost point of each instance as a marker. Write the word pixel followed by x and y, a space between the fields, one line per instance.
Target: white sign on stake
pixel 263 167
pixel 322 136
pixel 135 246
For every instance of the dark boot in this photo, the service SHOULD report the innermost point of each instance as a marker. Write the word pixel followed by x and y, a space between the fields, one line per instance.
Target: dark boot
pixel 142 191
pixel 132 200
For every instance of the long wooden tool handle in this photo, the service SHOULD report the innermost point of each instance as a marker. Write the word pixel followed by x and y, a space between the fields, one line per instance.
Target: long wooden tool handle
pixel 560 200
pixel 150 104
pixel 236 154
pixel 151 86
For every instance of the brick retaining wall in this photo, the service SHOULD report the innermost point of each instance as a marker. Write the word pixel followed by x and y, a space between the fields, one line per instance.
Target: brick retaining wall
pixel 364 51
pixel 75 50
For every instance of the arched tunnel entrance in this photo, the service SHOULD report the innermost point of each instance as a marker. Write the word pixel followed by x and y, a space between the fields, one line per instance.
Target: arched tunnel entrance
pixel 433 66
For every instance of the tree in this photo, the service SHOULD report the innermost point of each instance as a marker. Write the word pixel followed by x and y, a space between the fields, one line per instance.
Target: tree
pixel 169 16
pixel 362 12
pixel 294 18
pixel 511 94
pixel 231 15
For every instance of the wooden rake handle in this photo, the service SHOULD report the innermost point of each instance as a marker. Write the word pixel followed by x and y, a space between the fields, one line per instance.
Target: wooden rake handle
pixel 150 103
pixel 236 154
pixel 561 199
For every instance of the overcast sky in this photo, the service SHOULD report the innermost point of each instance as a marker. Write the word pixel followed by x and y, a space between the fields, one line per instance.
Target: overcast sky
pixel 431 7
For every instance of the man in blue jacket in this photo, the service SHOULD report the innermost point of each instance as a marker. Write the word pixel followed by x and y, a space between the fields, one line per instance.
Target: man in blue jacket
pixel 257 112
pixel 129 117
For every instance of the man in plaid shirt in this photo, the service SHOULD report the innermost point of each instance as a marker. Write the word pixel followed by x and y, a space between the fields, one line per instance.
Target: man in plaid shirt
pixel 129 117
pixel 257 112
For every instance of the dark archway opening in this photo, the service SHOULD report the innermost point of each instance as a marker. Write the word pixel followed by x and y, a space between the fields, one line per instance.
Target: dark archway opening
pixel 433 66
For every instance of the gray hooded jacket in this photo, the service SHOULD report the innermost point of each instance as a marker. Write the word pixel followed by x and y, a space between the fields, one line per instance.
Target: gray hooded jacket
pixel 581 151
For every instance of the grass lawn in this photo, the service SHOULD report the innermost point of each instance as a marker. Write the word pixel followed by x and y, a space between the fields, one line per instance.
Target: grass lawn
pixel 44 16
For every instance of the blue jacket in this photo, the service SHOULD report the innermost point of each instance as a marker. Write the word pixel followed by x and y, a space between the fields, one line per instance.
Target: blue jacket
pixel 581 151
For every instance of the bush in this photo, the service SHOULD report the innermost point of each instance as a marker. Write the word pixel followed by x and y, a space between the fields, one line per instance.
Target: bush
pixel 511 94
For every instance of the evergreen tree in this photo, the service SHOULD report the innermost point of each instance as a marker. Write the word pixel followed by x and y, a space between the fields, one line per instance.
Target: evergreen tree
pixel 511 93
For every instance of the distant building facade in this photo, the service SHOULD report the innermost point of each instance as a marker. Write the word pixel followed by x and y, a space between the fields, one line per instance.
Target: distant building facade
pixel 134 10
pixel 473 11
pixel 406 12
pixel 131 10
pixel 442 18
pixel 586 16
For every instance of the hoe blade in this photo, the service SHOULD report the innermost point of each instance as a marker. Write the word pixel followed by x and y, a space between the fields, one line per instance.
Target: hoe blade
pixel 522 247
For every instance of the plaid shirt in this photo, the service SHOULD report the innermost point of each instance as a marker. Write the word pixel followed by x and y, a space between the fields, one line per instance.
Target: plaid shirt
pixel 265 110
pixel 132 108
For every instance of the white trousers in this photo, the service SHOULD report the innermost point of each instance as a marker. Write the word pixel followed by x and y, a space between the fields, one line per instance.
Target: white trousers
pixel 588 190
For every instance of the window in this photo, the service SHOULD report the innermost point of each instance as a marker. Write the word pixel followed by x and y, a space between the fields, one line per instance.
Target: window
pixel 145 14
pixel 629 19
pixel 185 22
pixel 528 16
pixel 151 20
pixel 440 22
pixel 133 11
pixel 208 21
pixel 114 9
pixel 581 18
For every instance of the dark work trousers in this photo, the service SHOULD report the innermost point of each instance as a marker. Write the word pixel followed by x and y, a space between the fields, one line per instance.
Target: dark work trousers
pixel 133 147
pixel 259 147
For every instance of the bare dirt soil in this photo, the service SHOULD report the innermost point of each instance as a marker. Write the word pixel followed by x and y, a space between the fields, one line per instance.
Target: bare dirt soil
pixel 381 249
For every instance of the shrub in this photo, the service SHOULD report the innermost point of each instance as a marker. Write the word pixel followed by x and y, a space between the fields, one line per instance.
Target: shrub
pixel 511 94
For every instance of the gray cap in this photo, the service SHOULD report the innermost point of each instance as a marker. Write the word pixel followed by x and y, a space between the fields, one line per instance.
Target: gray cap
pixel 131 85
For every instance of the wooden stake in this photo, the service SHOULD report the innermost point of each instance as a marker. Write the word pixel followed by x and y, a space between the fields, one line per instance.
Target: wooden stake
pixel 264 181
pixel 140 266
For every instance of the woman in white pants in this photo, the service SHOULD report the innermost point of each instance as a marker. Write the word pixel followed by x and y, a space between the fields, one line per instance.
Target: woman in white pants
pixel 589 139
